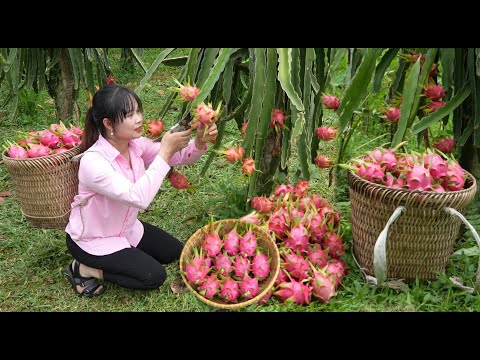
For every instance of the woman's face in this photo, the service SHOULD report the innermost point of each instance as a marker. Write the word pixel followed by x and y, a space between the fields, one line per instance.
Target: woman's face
pixel 131 127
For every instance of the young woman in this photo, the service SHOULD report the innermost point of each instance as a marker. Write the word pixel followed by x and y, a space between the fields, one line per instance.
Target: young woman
pixel 120 173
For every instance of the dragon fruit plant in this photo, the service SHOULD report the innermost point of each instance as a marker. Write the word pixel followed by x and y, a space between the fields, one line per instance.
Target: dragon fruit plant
pixel 34 144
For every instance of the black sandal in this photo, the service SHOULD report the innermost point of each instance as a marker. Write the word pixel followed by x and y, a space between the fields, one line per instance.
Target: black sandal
pixel 90 284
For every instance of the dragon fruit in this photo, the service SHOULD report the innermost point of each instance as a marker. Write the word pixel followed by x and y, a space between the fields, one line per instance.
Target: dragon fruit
pixel 262 204
pixel 317 256
pixel 222 264
pixel 260 266
pixel 326 133
pixel 241 266
pixel 392 114
pixel 231 242
pixel 249 287
pixel 209 288
pixel 178 181
pixel 323 287
pixel 332 243
pixel 434 92
pixel 294 291
pixel 330 102
pixel 248 166
pixel 297 238
pixel 248 244
pixel 278 119
pixel 229 290
pixel 323 162
pixel 445 145
pixel 296 265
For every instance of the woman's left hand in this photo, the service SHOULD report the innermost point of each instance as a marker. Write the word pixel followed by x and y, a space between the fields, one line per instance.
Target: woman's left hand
pixel 202 136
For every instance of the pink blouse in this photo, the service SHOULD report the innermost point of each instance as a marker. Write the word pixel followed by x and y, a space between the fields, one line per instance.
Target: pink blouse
pixel 103 219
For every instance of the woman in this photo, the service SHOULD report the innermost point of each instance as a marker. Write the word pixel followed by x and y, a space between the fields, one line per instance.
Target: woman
pixel 120 173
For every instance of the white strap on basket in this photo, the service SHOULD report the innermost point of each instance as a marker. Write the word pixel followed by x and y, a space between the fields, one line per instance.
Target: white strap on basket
pixel 457 282
pixel 380 252
pixel 380 249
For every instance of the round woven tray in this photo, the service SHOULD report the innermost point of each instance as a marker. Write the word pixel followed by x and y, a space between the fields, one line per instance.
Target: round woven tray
pixel 420 241
pixel 45 187
pixel 264 240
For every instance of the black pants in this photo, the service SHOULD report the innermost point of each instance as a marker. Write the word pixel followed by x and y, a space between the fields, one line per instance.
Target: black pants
pixel 134 268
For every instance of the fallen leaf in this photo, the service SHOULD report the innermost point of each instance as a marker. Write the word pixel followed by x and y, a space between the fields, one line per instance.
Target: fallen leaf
pixel 161 92
pixel 5 193
pixel 2 200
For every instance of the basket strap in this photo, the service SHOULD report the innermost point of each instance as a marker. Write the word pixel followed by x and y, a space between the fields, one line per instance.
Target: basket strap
pixel 380 249
pixel 457 281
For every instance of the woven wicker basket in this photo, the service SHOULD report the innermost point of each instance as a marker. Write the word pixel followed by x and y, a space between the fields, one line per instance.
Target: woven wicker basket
pixel 420 241
pixel 45 187
pixel 264 240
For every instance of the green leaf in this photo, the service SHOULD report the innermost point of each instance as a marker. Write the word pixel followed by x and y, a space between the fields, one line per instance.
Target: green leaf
pixel 285 77
pixel 213 77
pixel 176 61
pixel 138 59
pixel 447 57
pixel 270 89
pixel 207 61
pixel 440 113
pixel 382 66
pixel 257 99
pixel 152 69
pixel 409 93
pixel 357 88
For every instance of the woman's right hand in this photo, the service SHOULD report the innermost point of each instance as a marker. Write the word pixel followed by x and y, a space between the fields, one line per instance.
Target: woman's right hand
pixel 173 142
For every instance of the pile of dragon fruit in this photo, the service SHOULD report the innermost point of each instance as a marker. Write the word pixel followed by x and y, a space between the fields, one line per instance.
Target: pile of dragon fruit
pixel 429 171
pixel 34 144
pixel 306 229
pixel 230 267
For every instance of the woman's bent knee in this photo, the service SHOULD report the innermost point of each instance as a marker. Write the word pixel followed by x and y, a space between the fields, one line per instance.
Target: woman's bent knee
pixel 155 278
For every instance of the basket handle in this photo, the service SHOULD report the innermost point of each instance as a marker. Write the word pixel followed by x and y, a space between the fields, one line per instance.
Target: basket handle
pixel 380 251
pixel 454 212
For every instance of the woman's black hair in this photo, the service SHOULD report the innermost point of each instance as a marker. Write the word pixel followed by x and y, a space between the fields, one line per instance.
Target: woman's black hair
pixel 112 101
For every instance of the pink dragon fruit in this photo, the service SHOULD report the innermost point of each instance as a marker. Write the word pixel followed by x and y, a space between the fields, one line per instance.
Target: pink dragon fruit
pixel 323 162
pixel 231 242
pixel 455 177
pixel 222 264
pixel 253 218
pixel 336 271
pixel 49 139
pixel 317 256
pixel 332 243
pixel 283 190
pixel 294 291
pixel 249 287
pixel 300 189
pixel 278 119
pixel 248 244
pixel 277 224
pixel 297 238
pixel 235 153
pixel 262 204
pixel 212 243
pixel 241 266
pixel 209 288
pixel 445 145
pixel 260 266
pixel 434 92
pixel 229 290
pixel 281 277
pixel 323 286
pixel 393 182
pixel 331 102
pixel 296 265
pixel 392 114
pixel 178 181
pixel 326 133
pixel 197 268
pixel 436 165
pixel 17 152
pixel 187 91
pixel 204 114
pixel 419 178
pixel 38 150
pixel 70 139
pixel 435 105
pixel 248 166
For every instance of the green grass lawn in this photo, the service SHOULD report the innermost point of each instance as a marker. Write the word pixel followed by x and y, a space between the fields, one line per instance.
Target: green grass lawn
pixel 32 259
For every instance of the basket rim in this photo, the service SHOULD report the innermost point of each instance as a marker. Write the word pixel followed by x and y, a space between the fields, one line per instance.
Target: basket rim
pixel 51 156
pixel 418 192
pixel 233 306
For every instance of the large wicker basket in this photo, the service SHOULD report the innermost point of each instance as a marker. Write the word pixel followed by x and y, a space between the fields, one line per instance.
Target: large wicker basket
pixel 45 187
pixel 420 241
pixel 264 240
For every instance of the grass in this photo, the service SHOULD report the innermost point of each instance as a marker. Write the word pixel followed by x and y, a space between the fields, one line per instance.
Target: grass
pixel 32 259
